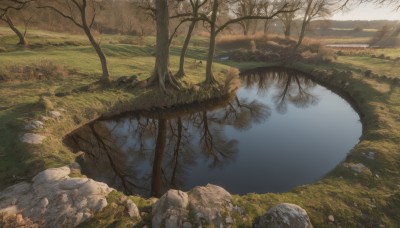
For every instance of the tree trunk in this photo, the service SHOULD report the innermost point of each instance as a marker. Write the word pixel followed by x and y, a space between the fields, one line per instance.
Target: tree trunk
pixel 211 51
pixel 287 30
pixel 266 26
pixel 306 21
pixel 156 180
pixel 21 37
pixel 181 71
pixel 105 77
pixel 161 73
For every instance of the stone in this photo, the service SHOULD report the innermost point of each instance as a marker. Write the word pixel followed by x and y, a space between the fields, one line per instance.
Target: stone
pixel 44 202
pixel 54 199
pixel 72 183
pixel 170 209
pixel 210 203
pixel 331 218
pixel 51 175
pixel 370 155
pixel 31 138
pixel 55 114
pixel 187 225
pixel 133 210
pixel 34 124
pixel 92 187
pixel 358 168
pixel 284 215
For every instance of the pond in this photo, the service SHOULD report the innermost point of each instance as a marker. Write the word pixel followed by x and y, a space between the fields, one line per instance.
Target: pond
pixel 281 130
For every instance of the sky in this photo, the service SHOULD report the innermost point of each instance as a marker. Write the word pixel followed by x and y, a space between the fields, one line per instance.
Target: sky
pixel 368 12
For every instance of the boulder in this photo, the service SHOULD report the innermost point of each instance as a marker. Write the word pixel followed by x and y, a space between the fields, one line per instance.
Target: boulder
pixel 132 209
pixel 31 138
pixel 34 124
pixel 55 114
pixel 54 199
pixel 210 204
pixel 170 210
pixel 284 215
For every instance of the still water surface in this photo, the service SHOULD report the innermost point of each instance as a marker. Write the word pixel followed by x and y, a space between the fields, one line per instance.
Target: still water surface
pixel 282 130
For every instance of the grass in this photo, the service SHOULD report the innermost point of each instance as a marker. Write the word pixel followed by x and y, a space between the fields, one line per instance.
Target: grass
pixel 368 199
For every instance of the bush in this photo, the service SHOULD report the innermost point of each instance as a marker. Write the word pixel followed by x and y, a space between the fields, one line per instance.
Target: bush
pixel 42 70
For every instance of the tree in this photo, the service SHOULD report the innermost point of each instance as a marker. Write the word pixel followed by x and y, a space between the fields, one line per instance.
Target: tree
pixel 215 29
pixel 246 8
pixel 82 13
pixel 17 5
pixel 289 17
pixel 312 9
pixel 195 7
pixel 161 73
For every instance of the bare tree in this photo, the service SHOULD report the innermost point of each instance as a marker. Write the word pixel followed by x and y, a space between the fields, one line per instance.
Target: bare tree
pixel 246 8
pixel 195 6
pixel 313 9
pixel 215 29
pixel 288 18
pixel 15 5
pixel 83 14
pixel 161 73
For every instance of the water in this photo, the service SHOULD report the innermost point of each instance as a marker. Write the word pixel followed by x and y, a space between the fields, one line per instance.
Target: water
pixel 281 130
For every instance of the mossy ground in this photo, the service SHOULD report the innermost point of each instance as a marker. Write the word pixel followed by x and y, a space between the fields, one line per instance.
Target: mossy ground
pixel 366 199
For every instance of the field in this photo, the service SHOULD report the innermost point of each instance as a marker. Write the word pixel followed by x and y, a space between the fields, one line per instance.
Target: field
pixel 366 199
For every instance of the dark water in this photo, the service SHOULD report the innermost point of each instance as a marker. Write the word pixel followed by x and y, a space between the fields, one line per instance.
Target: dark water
pixel 280 131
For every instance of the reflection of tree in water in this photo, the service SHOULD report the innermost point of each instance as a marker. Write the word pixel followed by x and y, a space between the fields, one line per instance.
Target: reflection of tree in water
pixel 292 87
pixel 118 152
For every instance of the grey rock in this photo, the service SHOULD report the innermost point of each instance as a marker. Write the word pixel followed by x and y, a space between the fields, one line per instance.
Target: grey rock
pixel 54 199
pixel 133 210
pixel 51 175
pixel 370 155
pixel 284 215
pixel 187 225
pixel 170 209
pixel 72 183
pixel 31 138
pixel 331 218
pixel 210 204
pixel 358 168
pixel 34 124
pixel 55 114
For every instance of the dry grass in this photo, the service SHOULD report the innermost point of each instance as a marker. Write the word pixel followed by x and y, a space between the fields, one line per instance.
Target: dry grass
pixel 41 70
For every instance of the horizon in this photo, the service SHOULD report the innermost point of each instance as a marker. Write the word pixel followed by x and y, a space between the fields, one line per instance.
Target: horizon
pixel 367 12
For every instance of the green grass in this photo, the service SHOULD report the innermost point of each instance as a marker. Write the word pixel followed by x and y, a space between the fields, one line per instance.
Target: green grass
pixel 340 193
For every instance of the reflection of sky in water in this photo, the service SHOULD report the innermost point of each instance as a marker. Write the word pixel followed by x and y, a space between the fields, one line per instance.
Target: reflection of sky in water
pixel 288 146
pixel 289 149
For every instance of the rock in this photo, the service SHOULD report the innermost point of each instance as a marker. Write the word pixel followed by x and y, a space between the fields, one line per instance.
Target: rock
pixel 72 183
pixel 209 204
pixel 92 187
pixel 51 175
pixel 44 202
pixel 34 124
pixel 55 114
pixel 331 218
pixel 284 215
pixel 369 155
pixel 357 168
pixel 187 225
pixel 54 199
pixel 133 210
pixel 31 138
pixel 170 209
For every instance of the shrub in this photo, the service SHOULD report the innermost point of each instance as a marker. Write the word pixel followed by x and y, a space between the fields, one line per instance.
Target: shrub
pixel 42 70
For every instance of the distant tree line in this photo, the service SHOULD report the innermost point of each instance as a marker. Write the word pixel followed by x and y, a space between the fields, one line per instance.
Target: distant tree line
pixel 166 19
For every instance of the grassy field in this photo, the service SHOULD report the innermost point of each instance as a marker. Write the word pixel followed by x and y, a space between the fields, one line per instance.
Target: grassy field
pixel 367 199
